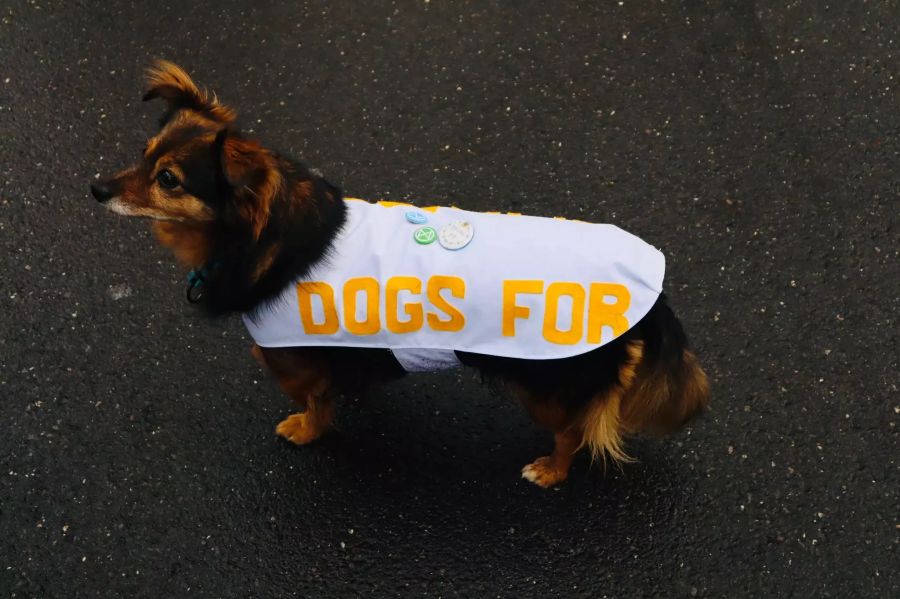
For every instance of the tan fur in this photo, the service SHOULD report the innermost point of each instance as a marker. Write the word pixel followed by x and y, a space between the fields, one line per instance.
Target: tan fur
pixel 695 394
pixel 303 190
pixel 176 205
pixel 244 159
pixel 185 118
pixel 553 415
pixel 603 424
pixel 152 143
pixel 554 469
pixel 662 404
pixel 190 242
pixel 306 380
pixel 169 81
pixel 644 401
pixel 141 196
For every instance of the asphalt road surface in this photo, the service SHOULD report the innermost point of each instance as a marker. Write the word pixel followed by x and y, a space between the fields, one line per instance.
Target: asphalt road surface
pixel 755 143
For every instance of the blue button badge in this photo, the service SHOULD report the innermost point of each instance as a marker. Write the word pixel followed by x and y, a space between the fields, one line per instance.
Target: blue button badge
pixel 415 217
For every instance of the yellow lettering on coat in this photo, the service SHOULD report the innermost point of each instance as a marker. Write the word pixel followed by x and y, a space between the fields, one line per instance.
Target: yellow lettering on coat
pixel 551 314
pixel 457 288
pixel 512 311
pixel 372 322
pixel 392 302
pixel 602 314
pixel 305 291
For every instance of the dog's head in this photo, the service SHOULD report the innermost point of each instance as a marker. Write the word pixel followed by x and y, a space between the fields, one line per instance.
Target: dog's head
pixel 197 169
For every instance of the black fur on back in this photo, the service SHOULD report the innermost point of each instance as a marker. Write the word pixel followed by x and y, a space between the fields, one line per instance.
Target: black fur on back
pixel 576 380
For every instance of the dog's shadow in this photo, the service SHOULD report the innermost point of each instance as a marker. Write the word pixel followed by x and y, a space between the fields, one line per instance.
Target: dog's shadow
pixel 450 460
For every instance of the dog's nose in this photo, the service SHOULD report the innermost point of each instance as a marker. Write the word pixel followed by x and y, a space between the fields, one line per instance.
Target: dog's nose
pixel 102 191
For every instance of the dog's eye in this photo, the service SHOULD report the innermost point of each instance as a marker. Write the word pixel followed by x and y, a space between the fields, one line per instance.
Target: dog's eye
pixel 167 179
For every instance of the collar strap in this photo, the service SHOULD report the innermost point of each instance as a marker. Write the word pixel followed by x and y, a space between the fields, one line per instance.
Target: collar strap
pixel 196 278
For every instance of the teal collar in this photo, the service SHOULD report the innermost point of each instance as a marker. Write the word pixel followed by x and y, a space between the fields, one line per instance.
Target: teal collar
pixel 197 277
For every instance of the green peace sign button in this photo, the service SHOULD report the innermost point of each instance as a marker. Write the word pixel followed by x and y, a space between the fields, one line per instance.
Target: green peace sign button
pixel 425 235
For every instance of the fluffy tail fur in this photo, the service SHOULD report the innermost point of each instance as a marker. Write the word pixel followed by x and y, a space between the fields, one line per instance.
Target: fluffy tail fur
pixel 660 387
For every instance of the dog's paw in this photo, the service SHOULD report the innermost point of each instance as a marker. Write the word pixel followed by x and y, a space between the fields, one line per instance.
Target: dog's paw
pixel 542 473
pixel 297 429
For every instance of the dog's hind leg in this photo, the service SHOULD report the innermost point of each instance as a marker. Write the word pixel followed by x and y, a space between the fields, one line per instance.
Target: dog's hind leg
pixel 306 380
pixel 553 469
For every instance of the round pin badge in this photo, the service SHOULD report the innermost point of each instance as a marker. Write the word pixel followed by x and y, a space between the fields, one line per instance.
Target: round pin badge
pixel 415 217
pixel 425 235
pixel 457 235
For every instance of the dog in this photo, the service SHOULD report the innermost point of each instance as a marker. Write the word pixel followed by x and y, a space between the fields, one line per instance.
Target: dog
pixel 257 228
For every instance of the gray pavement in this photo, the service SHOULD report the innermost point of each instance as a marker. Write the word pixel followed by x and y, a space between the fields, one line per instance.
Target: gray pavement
pixel 756 143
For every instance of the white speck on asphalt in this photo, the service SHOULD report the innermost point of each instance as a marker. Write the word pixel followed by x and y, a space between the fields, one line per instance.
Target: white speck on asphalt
pixel 121 291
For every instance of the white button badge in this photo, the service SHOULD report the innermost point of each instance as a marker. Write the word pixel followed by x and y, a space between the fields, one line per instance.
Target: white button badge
pixel 456 235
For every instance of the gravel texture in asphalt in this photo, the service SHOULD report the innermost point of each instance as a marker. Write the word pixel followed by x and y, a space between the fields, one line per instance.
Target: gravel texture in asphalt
pixel 755 143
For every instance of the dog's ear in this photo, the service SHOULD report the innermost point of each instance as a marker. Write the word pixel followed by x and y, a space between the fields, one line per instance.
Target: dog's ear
pixel 251 174
pixel 168 81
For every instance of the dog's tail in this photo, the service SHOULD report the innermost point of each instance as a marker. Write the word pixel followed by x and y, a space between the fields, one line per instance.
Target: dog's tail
pixel 660 387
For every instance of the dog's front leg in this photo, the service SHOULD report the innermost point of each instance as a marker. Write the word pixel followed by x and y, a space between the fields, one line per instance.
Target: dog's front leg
pixel 306 380
pixel 305 427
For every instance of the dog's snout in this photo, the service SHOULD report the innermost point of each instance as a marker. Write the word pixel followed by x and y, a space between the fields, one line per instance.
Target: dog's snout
pixel 103 191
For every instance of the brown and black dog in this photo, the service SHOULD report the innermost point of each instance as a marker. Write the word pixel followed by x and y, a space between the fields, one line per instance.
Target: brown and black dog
pixel 254 222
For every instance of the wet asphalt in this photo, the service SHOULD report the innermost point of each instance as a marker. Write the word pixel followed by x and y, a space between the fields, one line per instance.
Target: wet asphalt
pixel 755 143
